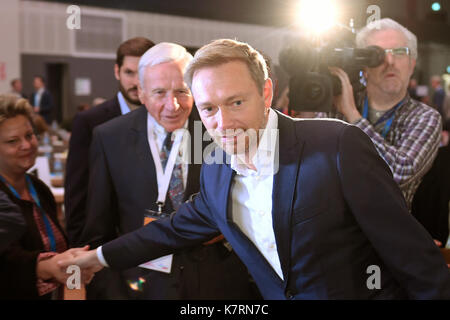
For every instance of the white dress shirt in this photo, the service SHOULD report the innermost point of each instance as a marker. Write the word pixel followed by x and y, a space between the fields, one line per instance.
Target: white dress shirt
pixel 252 195
pixel 124 108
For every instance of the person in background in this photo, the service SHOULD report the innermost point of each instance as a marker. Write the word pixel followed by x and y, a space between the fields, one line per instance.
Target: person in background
pixel 17 89
pixel 98 101
pixel 12 222
pixel 405 132
pixel 42 100
pixel 77 167
pixel 438 96
pixel 412 89
pixel 28 268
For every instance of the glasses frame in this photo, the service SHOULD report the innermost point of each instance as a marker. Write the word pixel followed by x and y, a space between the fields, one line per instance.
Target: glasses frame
pixel 405 51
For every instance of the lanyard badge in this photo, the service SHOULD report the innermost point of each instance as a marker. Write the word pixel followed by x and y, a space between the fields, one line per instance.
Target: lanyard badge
pixel 35 197
pixel 390 115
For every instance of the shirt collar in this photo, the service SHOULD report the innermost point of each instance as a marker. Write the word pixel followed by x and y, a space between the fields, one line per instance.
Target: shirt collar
pixel 124 108
pixel 264 157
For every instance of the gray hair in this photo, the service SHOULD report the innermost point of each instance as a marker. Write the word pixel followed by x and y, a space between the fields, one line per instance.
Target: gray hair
pixel 386 24
pixel 161 53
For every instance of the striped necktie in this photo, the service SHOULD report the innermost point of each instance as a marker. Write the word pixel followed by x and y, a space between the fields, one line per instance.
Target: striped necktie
pixel 176 188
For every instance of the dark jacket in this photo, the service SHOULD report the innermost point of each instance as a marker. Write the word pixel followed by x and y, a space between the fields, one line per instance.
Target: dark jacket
pixel 337 212
pixel 430 205
pixel 77 168
pixel 12 222
pixel 18 261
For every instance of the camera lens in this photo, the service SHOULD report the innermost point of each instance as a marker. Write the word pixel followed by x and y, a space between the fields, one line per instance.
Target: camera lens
pixel 314 91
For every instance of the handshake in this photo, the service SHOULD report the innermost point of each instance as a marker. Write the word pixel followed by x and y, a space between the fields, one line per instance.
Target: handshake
pixel 57 267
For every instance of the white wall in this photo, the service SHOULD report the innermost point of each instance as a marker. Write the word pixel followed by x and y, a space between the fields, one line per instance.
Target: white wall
pixel 9 39
pixel 44 29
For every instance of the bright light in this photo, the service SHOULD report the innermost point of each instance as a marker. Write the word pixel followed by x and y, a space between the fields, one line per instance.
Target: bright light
pixel 436 6
pixel 316 16
pixel 448 69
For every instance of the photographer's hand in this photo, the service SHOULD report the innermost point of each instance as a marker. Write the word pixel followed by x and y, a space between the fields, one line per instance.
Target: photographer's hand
pixel 345 103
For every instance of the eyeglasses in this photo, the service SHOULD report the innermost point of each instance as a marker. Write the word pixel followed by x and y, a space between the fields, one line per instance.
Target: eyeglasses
pixel 399 52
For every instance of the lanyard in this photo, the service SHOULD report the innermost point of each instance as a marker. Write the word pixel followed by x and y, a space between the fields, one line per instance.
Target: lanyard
pixel 390 115
pixel 163 176
pixel 35 197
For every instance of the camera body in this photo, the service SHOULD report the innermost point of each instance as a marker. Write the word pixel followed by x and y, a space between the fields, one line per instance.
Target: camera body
pixel 311 85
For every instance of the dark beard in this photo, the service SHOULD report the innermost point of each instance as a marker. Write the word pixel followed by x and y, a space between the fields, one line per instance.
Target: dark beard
pixel 127 97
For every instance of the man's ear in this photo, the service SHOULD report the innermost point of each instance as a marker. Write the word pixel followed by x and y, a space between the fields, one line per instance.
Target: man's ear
pixel 268 93
pixel 116 71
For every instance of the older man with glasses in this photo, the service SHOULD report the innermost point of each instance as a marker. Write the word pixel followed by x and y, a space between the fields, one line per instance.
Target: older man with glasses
pixel 405 132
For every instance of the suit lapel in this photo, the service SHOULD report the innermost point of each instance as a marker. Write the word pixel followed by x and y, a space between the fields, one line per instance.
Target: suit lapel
pixel 193 178
pixel 140 144
pixel 284 183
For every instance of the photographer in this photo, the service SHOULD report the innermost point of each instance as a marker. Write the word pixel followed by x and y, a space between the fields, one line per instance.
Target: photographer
pixel 405 132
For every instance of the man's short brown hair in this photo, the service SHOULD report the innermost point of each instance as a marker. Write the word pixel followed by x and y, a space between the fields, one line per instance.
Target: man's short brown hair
pixel 226 50
pixel 134 47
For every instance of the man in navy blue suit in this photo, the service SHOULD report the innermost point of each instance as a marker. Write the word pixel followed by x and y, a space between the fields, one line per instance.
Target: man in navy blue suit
pixel 308 205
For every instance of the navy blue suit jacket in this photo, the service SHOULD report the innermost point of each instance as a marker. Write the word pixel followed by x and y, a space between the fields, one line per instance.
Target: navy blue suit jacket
pixel 336 211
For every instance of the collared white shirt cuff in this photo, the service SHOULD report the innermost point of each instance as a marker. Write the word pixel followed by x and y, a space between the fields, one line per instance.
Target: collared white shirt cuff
pixel 100 257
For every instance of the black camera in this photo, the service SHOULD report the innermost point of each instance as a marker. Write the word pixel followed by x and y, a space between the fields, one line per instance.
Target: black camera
pixel 311 85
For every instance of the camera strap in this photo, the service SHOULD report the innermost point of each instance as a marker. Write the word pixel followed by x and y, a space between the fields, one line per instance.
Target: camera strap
pixel 390 115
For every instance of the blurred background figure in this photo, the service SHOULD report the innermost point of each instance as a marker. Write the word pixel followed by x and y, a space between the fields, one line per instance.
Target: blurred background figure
pixel 438 95
pixel 412 89
pixel 446 109
pixel 83 107
pixel 41 99
pixel 97 101
pixel 16 88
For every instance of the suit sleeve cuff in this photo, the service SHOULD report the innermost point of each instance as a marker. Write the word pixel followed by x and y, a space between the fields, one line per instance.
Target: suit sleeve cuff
pixel 100 257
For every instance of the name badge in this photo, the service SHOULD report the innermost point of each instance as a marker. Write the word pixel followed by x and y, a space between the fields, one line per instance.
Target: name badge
pixel 161 264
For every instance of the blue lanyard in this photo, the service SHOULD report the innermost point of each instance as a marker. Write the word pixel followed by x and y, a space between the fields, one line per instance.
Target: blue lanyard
pixel 390 114
pixel 35 197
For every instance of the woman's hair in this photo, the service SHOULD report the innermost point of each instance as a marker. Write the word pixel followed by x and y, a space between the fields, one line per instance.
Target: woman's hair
pixel 12 106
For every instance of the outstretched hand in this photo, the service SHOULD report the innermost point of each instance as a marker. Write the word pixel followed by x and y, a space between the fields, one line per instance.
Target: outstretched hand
pixel 86 260
pixel 50 270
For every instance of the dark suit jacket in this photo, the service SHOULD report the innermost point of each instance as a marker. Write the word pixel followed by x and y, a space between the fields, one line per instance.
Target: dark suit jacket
pixel 45 105
pixel 77 168
pixel 12 222
pixel 336 211
pixel 18 261
pixel 122 186
pixel 430 205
